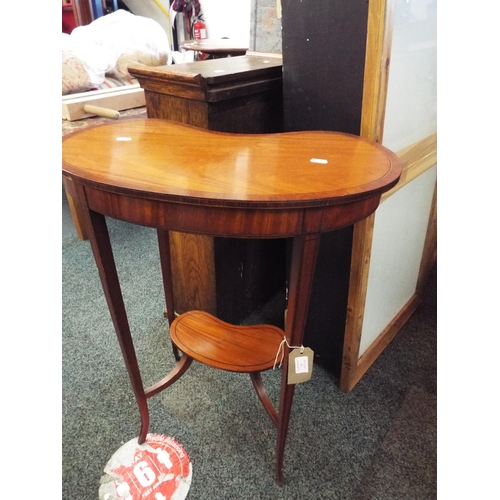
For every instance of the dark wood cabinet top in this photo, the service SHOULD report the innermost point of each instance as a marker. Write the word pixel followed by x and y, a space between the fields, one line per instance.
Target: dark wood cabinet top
pixel 212 70
pixel 216 47
pixel 213 80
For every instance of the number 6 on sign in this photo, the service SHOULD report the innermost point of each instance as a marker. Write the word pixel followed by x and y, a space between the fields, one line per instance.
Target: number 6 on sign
pixel 144 474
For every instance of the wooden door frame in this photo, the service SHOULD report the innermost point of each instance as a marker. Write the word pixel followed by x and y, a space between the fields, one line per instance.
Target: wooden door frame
pixel 416 159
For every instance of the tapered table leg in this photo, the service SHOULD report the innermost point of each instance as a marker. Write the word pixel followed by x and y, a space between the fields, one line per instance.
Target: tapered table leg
pixel 304 254
pixel 103 254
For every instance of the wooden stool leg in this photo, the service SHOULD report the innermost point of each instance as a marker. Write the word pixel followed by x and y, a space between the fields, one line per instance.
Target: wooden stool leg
pixel 166 270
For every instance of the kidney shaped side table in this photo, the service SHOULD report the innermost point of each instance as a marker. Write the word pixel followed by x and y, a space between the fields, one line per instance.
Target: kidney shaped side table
pixel 175 177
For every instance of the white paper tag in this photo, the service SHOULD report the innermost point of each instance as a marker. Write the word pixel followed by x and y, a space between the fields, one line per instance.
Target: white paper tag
pixel 301 364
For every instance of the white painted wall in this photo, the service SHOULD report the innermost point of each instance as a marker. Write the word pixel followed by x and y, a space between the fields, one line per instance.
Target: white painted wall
pixel 227 18
pixel 224 18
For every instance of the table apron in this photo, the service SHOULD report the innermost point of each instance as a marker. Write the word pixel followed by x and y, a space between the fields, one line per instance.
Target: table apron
pixel 226 221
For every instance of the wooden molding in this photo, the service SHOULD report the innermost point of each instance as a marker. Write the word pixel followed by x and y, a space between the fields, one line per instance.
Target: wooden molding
pixel 416 159
pixel 378 49
pixel 360 265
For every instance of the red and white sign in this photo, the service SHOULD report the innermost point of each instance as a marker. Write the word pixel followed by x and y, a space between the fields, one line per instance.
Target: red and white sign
pixel 158 469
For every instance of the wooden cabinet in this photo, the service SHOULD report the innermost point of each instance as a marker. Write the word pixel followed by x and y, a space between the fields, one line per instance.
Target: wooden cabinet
pixel 235 94
pixel 227 277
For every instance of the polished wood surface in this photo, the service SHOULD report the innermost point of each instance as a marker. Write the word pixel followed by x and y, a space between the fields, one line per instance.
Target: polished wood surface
pixel 228 347
pixel 265 186
pixel 288 170
pixel 241 94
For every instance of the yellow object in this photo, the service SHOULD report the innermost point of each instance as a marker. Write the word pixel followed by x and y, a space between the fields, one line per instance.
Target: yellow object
pixel 157 2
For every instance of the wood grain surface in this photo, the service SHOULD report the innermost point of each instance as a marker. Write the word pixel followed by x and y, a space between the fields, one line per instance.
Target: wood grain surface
pixel 228 347
pixel 277 170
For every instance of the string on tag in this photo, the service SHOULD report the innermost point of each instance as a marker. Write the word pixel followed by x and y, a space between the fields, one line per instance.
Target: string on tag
pixel 280 348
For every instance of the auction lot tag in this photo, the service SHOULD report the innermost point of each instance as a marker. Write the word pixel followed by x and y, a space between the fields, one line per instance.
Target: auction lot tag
pixel 300 365
pixel 158 469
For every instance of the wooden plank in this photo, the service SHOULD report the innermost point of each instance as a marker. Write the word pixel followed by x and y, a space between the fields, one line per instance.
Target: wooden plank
pixel 378 47
pixel 113 90
pixel 119 99
pixel 360 266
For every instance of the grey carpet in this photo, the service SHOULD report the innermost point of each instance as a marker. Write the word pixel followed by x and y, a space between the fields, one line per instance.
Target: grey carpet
pixel 378 442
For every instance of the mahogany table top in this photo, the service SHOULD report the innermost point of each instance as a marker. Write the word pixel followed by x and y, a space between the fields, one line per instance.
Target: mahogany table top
pixel 176 162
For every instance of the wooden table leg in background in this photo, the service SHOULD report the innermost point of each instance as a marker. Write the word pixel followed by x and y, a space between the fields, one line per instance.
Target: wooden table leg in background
pixel 78 217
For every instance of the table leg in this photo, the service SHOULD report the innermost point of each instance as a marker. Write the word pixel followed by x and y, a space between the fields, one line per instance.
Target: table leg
pixel 77 216
pixel 103 254
pixel 304 254
pixel 166 270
